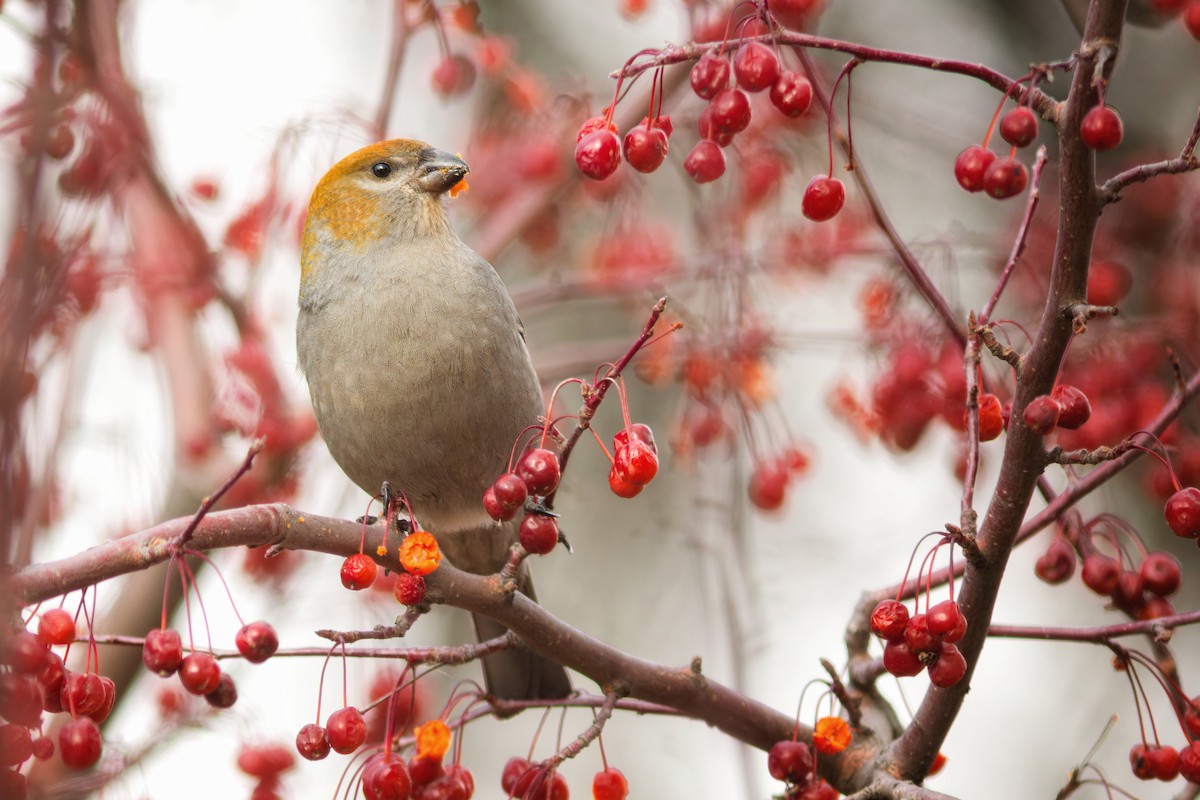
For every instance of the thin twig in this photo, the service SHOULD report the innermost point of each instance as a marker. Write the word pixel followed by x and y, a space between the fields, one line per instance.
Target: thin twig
pixel 1018 248
pixel 1184 162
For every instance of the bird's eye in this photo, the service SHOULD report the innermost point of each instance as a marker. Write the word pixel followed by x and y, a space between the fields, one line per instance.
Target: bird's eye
pixel 381 169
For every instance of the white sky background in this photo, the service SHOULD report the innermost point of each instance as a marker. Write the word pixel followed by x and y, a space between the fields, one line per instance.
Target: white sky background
pixel 222 79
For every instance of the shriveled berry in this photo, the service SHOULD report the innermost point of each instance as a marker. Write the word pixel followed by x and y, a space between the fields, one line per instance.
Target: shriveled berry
pixel 257 641
pixel 359 571
pixel 538 533
pixel 638 431
pixel 409 589
pixel 540 470
pixel 1005 178
pixel 705 163
pixel 970 166
pixel 225 695
pixel 346 730
pixel 710 75
pixel 917 635
pixel 1057 564
pixel 1074 405
pixel 1019 126
pixel 823 198
pixel 82 693
pixel 1102 128
pixel 1160 573
pixel 645 148
pixel 1041 414
pixel 756 66
pixel 790 761
pixel 636 462
pixel 889 619
pixel 949 668
pixel 199 673
pixel 598 154
pixel 1182 512
pixel 1100 573
pixel 311 742
pixel 56 627
pixel 791 93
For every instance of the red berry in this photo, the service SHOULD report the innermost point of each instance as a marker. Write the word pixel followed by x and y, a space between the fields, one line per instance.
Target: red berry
pixel 645 148
pixel 1137 761
pixel 710 131
pixel 257 641
pixel 790 761
pixel 82 694
pixel 756 66
pixel 768 485
pixel 1108 283
pixel 899 660
pixel 20 700
pixel 1100 573
pixel 1005 178
pixel 945 620
pixel 60 141
pixel 265 760
pixel 225 695
pixel 917 635
pixel 1041 415
pixel 199 673
pixel 386 778
pixel 636 462
pixel 43 748
pixel 949 668
pixel 359 571
pixel 425 769
pixel 621 487
pixel 56 627
pixel 346 730
pixel 1019 126
pixel 991 417
pixel 1163 762
pixel 598 154
pixel 706 162
pixel 1183 512
pixel 823 198
pixel 79 743
pixel 889 619
pixel 792 93
pixel 409 589
pixel 49 683
pixel 728 112
pixel 540 471
pixel 311 742
pixel 24 652
pixel 970 166
pixel 1057 564
pixel 1160 573
pixel 1074 405
pixel 494 508
pixel 1101 128
pixel 16 745
pixel 610 784
pixel 108 694
pixel 710 75
pixel 453 75
pixel 514 770
pixel 1189 762
pixel 638 431
pixel 593 124
pixel 538 533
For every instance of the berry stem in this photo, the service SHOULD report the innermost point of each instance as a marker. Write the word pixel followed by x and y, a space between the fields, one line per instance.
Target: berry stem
pixel 221 578
pixel 847 68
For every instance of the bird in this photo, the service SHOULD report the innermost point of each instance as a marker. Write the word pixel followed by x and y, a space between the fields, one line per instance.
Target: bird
pixel 417 365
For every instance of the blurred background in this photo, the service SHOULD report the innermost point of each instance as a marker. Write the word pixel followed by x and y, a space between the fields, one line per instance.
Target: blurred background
pixel 160 319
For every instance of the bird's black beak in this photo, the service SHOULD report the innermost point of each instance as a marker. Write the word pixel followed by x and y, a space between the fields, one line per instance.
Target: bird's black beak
pixel 438 170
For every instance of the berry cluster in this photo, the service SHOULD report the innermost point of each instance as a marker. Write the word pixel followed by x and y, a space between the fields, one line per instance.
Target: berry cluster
pixel 537 475
pixel 523 779
pixel 792 762
pixel 915 642
pixel 419 555
pixel 266 763
pixel 635 460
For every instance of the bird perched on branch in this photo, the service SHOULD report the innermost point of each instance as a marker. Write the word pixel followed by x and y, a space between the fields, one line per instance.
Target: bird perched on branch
pixel 416 363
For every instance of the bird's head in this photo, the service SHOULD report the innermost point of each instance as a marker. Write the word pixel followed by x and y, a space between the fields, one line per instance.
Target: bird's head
pixel 388 190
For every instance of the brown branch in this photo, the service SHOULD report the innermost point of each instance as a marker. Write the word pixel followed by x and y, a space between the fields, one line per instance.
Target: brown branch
pixel 968 517
pixel 1158 628
pixel 397 630
pixel 1024 452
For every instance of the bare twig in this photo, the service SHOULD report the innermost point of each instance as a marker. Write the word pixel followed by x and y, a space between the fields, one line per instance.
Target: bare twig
pixel 1184 162
pixel 1018 248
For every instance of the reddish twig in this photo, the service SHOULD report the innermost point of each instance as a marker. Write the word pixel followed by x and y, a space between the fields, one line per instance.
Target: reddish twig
pixel 1019 243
